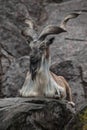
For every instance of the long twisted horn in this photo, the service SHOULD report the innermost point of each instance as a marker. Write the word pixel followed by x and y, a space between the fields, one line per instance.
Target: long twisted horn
pixel 53 29
pixel 67 18
pixel 30 23
pixel 29 31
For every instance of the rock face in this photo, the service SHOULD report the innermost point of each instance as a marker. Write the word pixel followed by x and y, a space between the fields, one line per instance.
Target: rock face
pixel 34 114
pixel 79 121
pixel 69 51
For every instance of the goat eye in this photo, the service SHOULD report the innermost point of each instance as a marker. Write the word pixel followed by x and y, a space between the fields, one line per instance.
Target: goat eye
pixel 42 47
pixel 41 51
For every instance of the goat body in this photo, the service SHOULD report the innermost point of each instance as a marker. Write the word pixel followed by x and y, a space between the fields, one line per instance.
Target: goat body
pixel 40 81
pixel 46 84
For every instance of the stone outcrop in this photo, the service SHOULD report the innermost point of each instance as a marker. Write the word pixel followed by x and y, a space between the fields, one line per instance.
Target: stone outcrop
pixel 34 114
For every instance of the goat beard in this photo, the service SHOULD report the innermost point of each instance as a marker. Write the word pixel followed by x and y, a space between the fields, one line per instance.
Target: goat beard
pixel 34 67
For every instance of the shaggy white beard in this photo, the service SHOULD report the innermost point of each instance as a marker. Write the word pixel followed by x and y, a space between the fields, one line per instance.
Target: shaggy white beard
pixel 43 84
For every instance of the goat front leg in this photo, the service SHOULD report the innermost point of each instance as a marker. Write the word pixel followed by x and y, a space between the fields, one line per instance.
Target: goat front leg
pixel 65 90
pixel 68 92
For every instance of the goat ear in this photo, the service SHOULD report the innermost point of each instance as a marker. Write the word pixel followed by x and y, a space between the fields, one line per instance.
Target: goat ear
pixel 50 41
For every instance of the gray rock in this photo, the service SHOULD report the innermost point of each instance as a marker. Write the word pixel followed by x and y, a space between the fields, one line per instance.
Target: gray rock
pixel 79 121
pixel 14 77
pixel 34 114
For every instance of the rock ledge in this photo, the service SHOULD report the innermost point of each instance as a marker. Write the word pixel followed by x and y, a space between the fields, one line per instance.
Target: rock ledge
pixel 34 114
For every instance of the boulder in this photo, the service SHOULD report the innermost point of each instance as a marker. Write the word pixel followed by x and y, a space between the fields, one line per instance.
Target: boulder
pixel 34 114
pixel 79 121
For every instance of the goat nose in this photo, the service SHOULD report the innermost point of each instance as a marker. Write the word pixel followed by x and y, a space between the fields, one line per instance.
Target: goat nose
pixel 32 54
pixel 32 57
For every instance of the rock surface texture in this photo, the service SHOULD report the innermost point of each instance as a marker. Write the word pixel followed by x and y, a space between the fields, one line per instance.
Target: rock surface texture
pixel 79 121
pixel 69 51
pixel 34 114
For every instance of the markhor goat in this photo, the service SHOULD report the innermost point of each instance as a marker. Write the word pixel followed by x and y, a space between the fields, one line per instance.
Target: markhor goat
pixel 40 81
